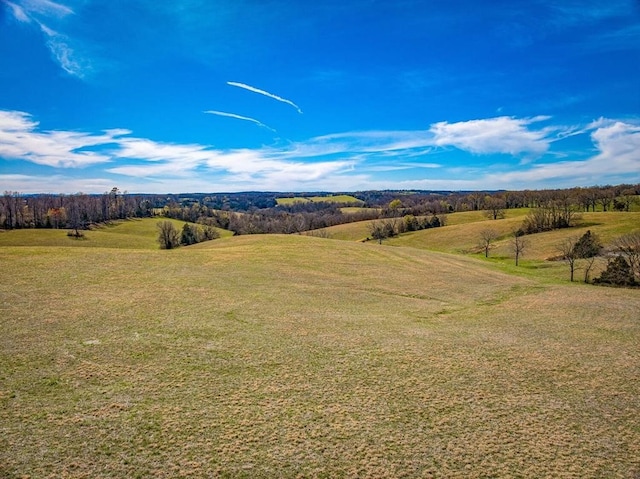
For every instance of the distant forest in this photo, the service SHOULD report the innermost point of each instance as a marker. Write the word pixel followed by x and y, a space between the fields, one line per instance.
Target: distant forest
pixel 258 212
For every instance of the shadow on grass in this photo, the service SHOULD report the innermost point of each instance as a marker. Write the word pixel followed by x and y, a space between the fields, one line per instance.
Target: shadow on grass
pixel 588 224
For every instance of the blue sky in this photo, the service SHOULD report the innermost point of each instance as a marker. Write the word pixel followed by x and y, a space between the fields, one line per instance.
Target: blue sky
pixel 282 95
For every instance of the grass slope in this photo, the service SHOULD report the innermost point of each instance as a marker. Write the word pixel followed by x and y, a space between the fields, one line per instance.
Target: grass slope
pixel 462 234
pixel 133 233
pixel 319 199
pixel 292 356
pixel 360 230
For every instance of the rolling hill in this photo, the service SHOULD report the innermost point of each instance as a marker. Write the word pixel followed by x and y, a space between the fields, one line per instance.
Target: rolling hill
pixel 294 356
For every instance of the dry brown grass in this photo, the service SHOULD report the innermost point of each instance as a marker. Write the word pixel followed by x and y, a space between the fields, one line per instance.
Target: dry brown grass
pixel 301 357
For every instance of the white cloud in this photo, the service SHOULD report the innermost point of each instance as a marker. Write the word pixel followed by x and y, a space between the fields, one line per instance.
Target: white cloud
pixel 61 149
pixel 618 145
pixel 493 135
pixel 238 165
pixel 16 121
pixel 343 161
pixel 265 93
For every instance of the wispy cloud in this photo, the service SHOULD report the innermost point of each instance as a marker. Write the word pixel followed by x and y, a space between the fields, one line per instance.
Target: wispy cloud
pixel 625 38
pixel 42 13
pixel 18 12
pixel 63 184
pixel 65 55
pixel 265 93
pixel 31 10
pixel 239 117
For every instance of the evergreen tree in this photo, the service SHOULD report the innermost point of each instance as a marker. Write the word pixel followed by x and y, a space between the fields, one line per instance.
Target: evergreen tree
pixel 587 246
pixel 618 273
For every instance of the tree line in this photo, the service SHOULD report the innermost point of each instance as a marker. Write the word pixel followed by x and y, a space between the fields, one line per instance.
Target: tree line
pixel 75 212
pixel 258 212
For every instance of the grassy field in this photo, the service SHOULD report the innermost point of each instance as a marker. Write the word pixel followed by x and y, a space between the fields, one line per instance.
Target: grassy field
pixel 294 356
pixel 462 234
pixel 129 234
pixel 319 199
pixel 350 210
pixel 359 231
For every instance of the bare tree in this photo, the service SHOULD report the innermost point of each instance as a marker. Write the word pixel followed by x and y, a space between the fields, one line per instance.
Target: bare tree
pixel 75 216
pixel 494 207
pixel 605 197
pixel 378 231
pixel 569 253
pixel 168 235
pixel 589 262
pixel 587 248
pixel 518 245
pixel 627 199
pixel 487 237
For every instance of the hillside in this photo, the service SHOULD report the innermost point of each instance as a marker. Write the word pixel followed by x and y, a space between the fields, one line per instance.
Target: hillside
pixel 128 234
pixel 462 234
pixel 289 356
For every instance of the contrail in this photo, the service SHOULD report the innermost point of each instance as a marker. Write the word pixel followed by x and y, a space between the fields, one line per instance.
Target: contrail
pixel 240 117
pixel 265 93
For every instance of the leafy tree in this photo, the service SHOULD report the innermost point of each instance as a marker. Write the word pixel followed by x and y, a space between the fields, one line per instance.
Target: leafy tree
pixel 168 235
pixel 395 204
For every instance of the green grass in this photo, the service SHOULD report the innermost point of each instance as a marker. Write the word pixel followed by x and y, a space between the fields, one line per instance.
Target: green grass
pixel 462 234
pixel 350 210
pixel 129 234
pixel 319 199
pixel 292 356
